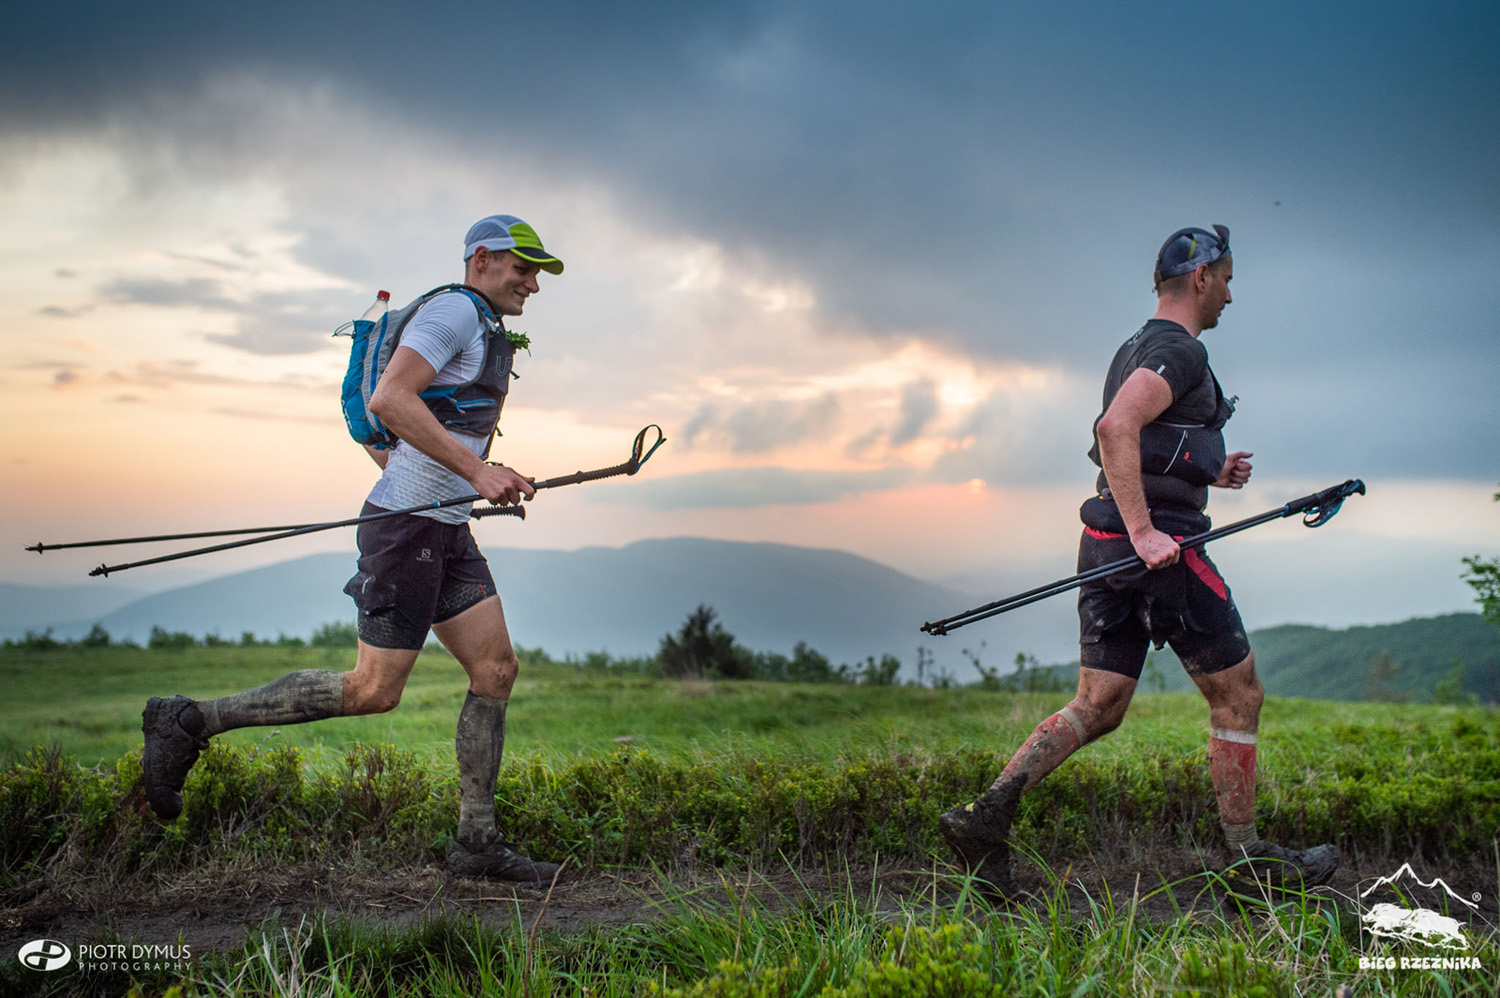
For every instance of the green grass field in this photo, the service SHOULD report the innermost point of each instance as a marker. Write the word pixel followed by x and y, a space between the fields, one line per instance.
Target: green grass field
pixel 87 702
pixel 757 775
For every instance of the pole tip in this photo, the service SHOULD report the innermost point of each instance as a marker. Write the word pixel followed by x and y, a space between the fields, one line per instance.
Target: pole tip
pixel 37 547
pixel 101 570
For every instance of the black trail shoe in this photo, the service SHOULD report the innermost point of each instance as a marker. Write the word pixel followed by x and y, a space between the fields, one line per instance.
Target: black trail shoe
pixel 977 834
pixel 174 737
pixel 498 861
pixel 1287 868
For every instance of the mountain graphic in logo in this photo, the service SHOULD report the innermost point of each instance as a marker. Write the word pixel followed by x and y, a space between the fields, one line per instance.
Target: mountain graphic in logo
pixel 1416 925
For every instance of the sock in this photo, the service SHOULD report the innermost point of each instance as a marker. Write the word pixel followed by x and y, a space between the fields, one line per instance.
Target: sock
pixel 1056 738
pixel 1240 838
pixel 1231 764
pixel 297 697
pixel 479 744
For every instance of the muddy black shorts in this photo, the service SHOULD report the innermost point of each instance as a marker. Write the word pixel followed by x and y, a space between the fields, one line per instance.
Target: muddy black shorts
pixel 414 572
pixel 1186 605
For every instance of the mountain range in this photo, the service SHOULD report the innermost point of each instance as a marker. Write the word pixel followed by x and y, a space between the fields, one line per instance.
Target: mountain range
pixel 769 596
pixel 620 600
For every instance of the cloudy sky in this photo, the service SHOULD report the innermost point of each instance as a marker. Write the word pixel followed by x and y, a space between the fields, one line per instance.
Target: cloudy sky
pixel 864 262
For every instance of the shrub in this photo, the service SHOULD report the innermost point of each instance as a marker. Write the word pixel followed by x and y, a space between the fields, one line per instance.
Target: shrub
pixel 163 640
pixel 338 634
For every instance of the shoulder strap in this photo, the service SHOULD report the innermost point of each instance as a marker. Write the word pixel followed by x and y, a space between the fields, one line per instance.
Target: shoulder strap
pixel 481 303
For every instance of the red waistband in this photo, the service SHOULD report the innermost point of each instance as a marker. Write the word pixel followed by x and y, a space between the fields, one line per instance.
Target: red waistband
pixel 1102 535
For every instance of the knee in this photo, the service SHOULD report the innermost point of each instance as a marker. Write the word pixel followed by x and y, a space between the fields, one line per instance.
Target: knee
pixel 1101 716
pixel 368 698
pixel 1255 695
pixel 496 677
pixel 1104 723
pixel 1238 696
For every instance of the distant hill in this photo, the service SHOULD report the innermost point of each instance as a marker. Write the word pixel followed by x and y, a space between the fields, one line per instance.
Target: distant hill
pixel 1317 662
pixel 23 606
pixel 769 596
pixel 1298 660
pixel 620 600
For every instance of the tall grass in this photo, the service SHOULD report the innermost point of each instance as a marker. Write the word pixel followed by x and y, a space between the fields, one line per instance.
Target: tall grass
pixel 731 776
pixel 735 943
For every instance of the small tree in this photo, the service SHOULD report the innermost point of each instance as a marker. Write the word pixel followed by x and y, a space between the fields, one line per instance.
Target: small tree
pixel 162 639
pixel 97 637
pixel 881 673
pixel 336 634
pixel 989 676
pixel 808 665
pixel 1378 686
pixel 1484 576
pixel 1450 690
pixel 702 648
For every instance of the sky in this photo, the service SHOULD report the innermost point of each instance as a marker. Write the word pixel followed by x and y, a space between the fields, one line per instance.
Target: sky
pixel 865 263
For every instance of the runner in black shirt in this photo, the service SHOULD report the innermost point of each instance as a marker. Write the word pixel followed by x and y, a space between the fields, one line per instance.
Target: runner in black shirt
pixel 1159 444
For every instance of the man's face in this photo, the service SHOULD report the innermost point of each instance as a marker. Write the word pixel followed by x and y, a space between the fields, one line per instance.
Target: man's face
pixel 506 279
pixel 1216 291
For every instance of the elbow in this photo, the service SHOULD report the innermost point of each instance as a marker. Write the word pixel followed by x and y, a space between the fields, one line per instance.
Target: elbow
pixel 1112 429
pixel 380 405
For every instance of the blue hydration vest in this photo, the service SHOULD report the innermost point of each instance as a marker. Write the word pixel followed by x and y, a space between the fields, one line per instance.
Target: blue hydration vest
pixel 472 407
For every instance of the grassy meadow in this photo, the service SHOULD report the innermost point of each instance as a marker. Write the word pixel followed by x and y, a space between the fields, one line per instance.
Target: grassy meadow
pixel 615 770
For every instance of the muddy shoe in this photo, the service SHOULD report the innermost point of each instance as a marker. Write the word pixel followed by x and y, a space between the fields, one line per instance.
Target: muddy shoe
pixel 174 737
pixel 1287 868
pixel 498 861
pixel 978 832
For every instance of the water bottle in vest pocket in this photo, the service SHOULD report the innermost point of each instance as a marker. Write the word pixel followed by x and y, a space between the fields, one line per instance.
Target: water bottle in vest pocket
pixel 473 407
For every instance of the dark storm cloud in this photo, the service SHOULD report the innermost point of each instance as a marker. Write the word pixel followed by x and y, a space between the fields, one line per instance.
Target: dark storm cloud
pixel 953 168
pixel 996 176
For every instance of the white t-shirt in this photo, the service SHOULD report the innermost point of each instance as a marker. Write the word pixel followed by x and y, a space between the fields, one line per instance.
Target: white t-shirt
pixel 448 333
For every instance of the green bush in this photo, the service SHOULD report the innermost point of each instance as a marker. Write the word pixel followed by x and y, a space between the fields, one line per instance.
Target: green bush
pixel 633 807
pixel 162 639
pixel 338 634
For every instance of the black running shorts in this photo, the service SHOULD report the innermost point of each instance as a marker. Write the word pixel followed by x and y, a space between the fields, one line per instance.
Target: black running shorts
pixel 414 572
pixel 1186 605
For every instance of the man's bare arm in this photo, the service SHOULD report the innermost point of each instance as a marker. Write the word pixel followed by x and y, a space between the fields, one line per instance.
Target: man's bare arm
pixel 1144 396
pixel 396 401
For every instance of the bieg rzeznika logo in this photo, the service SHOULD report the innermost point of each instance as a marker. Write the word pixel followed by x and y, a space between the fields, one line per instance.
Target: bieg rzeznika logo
pixel 1418 925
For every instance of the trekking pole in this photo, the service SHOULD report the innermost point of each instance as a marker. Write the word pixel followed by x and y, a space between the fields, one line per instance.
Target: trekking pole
pixel 311 528
pixel 1317 509
pixel 628 468
pixel 639 455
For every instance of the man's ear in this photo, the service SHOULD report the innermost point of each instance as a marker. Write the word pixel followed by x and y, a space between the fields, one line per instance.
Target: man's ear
pixel 1200 277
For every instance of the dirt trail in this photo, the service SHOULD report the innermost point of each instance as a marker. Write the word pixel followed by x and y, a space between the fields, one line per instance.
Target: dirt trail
pixel 215 910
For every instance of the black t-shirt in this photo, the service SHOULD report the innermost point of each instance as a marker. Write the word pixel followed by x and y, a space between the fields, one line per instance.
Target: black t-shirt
pixel 1169 350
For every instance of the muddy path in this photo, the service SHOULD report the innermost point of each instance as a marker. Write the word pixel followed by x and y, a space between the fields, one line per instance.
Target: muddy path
pixel 220 909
